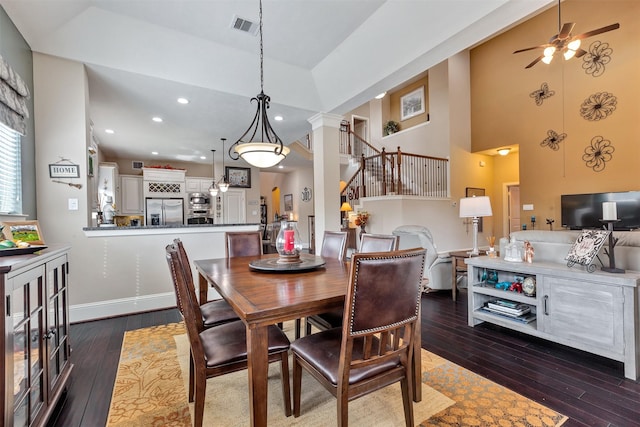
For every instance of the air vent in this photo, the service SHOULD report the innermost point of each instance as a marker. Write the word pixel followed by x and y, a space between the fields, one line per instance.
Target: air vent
pixel 244 25
pixel 136 164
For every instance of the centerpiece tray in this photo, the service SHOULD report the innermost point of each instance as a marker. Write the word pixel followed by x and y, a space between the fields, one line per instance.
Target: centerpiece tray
pixel 21 251
pixel 271 264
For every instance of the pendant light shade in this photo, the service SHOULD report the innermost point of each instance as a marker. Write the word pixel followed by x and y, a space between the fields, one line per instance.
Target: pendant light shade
pixel 267 149
pixel 213 188
pixel 223 185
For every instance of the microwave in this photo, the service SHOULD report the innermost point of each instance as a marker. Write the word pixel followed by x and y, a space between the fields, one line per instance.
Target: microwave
pixel 199 199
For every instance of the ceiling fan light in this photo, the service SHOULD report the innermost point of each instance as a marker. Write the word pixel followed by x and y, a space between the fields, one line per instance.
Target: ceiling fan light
pixel 568 54
pixel 547 59
pixel 574 45
pixel 261 154
pixel 548 52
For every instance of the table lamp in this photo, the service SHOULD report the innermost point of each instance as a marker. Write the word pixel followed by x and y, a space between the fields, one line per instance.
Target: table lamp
pixel 346 207
pixel 475 207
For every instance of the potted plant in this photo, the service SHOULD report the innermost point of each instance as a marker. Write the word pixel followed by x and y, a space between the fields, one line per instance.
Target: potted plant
pixel 391 127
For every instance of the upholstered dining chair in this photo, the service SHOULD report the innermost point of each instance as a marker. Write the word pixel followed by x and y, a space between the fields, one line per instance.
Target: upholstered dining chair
pixel 378 243
pixel 368 243
pixel 220 349
pixel 242 243
pixel 374 346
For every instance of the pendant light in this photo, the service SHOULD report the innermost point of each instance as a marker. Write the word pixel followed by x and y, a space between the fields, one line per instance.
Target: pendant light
pixel 213 188
pixel 268 149
pixel 223 185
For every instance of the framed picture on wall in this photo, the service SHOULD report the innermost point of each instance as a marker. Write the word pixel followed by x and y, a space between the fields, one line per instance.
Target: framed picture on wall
pixel 238 177
pixel 412 104
pixel 470 192
pixel 288 202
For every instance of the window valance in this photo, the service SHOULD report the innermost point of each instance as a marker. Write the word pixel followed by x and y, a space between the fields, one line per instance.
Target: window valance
pixel 13 98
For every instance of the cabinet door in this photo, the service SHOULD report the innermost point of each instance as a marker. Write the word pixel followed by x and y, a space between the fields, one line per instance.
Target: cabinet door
pixel 26 347
pixel 131 187
pixel 583 312
pixel 192 185
pixel 57 326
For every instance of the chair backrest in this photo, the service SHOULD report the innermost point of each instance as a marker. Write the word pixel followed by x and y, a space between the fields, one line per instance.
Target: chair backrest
pixel 185 294
pixel 334 245
pixel 381 333
pixel 242 243
pixel 378 243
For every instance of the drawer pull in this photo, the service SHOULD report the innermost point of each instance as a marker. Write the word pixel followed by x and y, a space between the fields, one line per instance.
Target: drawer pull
pixel 546 305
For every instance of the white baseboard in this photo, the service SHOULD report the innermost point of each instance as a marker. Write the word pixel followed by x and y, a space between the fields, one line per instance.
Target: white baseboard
pixel 119 307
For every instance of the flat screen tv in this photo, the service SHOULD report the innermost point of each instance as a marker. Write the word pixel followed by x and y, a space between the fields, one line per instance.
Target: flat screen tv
pixel 581 211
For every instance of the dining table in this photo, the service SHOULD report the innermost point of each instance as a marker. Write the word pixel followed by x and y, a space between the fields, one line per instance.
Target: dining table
pixel 263 296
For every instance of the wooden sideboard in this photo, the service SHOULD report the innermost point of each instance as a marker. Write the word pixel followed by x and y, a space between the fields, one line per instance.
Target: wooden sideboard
pixel 35 321
pixel 595 312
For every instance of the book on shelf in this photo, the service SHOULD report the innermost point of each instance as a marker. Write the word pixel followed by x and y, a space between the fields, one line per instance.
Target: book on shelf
pixel 506 313
pixel 524 318
pixel 516 309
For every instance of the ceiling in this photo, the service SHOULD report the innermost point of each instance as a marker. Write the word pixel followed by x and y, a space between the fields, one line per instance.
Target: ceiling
pixel 319 56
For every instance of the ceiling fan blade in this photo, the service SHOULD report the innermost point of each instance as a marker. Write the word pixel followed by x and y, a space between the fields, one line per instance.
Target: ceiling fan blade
pixel 580 52
pixel 535 61
pixel 542 46
pixel 566 30
pixel 598 31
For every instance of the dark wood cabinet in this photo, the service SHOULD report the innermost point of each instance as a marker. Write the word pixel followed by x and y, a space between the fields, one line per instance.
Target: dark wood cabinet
pixel 37 363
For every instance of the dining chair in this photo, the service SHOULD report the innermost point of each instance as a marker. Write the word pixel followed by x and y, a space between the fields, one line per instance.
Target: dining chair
pixel 220 349
pixel 374 346
pixel 378 243
pixel 368 243
pixel 242 243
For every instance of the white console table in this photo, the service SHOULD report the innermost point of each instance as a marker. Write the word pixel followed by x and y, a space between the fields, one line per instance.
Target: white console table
pixel 596 312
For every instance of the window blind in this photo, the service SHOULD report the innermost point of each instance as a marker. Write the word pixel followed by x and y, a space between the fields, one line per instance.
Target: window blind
pixel 10 171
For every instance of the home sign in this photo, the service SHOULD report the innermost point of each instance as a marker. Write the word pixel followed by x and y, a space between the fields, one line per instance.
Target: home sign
pixel 59 170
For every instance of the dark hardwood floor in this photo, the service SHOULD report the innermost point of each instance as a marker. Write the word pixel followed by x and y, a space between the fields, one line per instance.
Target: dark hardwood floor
pixel 590 390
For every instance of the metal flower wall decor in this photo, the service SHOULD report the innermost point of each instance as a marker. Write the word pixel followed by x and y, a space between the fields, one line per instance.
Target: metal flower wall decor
pixel 598 153
pixel 598 55
pixel 541 94
pixel 553 140
pixel 598 106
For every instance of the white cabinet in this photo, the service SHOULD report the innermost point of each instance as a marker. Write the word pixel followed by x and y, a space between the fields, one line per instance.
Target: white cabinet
pixel 198 185
pixel 594 312
pixel 132 202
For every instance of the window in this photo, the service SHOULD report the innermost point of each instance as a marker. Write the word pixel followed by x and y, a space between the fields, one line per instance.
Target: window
pixel 10 171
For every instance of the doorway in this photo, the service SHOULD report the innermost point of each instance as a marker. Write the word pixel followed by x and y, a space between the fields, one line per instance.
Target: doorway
pixel 360 126
pixel 235 210
pixel 512 204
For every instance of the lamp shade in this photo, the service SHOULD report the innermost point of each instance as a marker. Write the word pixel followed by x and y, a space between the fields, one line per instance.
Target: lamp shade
pixel 261 154
pixel 477 206
pixel 346 207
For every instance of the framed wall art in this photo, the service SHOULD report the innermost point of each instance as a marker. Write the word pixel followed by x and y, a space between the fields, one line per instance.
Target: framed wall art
pixel 412 104
pixel 26 231
pixel 288 202
pixel 238 177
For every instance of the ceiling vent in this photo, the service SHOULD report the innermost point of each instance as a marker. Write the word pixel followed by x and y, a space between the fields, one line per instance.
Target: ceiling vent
pixel 244 25
pixel 136 164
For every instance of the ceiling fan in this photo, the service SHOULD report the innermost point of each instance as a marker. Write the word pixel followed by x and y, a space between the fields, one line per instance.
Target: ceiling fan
pixel 564 42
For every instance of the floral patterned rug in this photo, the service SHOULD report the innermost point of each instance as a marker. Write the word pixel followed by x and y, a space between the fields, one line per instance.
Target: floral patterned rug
pixel 150 390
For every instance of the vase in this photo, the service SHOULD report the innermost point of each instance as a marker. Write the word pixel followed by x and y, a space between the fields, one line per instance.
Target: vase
pixel 362 231
pixel 288 242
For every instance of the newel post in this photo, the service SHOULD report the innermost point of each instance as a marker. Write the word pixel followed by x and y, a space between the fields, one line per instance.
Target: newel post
pixel 399 169
pixel 364 186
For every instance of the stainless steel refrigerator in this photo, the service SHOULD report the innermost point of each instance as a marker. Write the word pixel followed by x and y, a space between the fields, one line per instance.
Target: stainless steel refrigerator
pixel 164 211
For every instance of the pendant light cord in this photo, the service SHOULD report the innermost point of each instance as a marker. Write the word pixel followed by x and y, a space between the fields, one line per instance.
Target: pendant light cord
pixel 261 53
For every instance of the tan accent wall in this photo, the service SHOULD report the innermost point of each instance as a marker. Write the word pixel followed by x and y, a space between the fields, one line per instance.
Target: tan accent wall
pixel 394 105
pixel 504 113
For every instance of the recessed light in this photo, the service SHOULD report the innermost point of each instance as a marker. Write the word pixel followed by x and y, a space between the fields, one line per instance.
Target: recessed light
pixel 183 101
pixel 280 167
pixel 157 119
pixel 278 118
pixel 109 131
pixel 155 153
pixel 203 157
pixel 381 95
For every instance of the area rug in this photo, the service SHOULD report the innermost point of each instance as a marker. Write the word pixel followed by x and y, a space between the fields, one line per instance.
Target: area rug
pixel 151 384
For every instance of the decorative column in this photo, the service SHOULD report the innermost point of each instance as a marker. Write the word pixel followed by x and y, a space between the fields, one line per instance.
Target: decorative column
pixel 326 173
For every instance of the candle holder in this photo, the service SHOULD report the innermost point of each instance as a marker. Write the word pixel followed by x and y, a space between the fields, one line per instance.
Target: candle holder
pixel 288 243
pixel 612 244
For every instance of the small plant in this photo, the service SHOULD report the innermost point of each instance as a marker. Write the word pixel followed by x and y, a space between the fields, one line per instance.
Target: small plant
pixel 391 127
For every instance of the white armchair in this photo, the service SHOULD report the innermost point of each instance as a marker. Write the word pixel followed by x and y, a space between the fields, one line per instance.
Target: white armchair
pixel 437 269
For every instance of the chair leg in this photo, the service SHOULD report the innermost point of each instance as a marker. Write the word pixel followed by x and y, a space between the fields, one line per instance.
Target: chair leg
pixel 343 409
pixel 200 392
pixel 298 327
pixel 297 385
pixel 191 376
pixel 286 389
pixel 407 399
pixel 307 327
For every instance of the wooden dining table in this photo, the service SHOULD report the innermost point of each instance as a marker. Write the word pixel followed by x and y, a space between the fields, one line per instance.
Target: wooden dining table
pixel 262 298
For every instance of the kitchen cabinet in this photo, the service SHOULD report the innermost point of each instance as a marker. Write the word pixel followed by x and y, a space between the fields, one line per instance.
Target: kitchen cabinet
pixel 132 200
pixel 198 185
pixel 37 362
pixel 594 312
